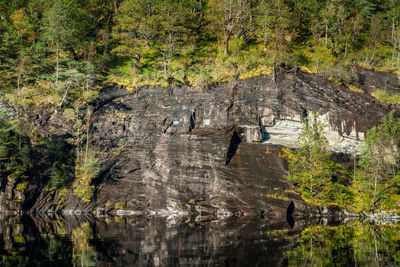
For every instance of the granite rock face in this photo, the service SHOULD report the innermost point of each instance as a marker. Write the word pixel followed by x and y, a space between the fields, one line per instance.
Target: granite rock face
pixel 209 153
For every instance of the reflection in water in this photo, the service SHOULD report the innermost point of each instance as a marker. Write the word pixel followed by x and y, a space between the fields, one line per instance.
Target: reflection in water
pixel 83 253
pixel 138 241
pixel 351 244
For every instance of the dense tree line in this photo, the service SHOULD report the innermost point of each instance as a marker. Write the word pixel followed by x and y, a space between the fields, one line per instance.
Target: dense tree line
pixel 57 49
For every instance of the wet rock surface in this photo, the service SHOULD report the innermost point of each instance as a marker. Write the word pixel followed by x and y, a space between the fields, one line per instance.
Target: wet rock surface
pixel 207 153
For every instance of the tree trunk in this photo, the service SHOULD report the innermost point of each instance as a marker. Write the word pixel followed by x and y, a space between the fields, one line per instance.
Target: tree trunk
pixel 89 115
pixel 201 14
pixel 354 164
pixel 394 43
pixel 375 190
pixel 103 59
pixel 115 7
pixel 393 27
pixel 165 67
pixel 227 38
pixel 57 62
pixel 137 57
pixel 170 46
pixel 393 53
pixel 373 55
pixel 326 36
pixel 64 96
pixel 265 43
pixel 311 161
pixel 219 48
pixel 19 82
pixel 398 58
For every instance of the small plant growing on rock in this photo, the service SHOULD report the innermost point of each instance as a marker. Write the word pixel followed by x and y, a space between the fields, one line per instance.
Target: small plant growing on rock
pixel 86 169
pixel 120 205
pixel 22 186
pixel 62 195
pixel 86 164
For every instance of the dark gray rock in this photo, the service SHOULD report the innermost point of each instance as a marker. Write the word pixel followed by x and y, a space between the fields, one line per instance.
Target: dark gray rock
pixel 187 151
pixel 371 80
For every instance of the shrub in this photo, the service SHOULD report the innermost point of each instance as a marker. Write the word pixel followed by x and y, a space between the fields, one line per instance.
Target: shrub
pixel 22 186
pixel 312 168
pixel 86 169
pixel 120 205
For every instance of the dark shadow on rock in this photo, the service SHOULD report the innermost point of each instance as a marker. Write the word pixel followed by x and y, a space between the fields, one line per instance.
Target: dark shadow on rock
pixel 3 183
pixel 235 141
pixel 289 214
pixel 192 121
pixel 265 135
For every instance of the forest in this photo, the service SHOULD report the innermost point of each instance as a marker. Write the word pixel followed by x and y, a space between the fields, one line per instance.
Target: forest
pixel 59 52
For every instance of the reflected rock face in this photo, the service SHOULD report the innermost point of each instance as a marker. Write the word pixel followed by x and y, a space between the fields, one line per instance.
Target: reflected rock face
pixel 154 241
pixel 157 241
pixel 207 153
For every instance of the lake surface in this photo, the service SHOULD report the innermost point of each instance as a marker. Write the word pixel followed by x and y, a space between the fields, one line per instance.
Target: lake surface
pixel 152 241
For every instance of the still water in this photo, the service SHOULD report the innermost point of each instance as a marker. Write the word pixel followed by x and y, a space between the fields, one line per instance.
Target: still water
pixel 138 241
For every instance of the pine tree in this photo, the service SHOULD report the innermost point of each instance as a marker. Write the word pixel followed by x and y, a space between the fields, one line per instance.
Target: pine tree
pixel 63 28
pixel 273 24
pixel 15 153
pixel 310 166
pixel 378 177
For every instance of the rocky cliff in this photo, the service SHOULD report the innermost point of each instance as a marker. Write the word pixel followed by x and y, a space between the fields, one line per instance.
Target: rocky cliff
pixel 206 152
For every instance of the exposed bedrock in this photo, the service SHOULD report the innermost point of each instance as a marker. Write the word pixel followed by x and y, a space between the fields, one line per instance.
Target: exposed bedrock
pixel 207 152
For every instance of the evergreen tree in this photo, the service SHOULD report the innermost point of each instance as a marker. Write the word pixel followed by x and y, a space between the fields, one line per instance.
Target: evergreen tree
pixel 273 21
pixel 378 178
pixel 15 158
pixel 63 28
pixel 311 167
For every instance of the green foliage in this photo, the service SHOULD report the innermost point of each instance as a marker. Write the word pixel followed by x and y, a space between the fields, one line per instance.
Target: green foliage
pixel 54 53
pixel 315 34
pixel 22 186
pixel 60 156
pixel 120 205
pixel 83 253
pixel 377 180
pixel 387 97
pixel 86 169
pixel 64 22
pixel 376 183
pixel 355 88
pixel 57 175
pixel 62 195
pixel 86 161
pixel 15 153
pixel 366 243
pixel 312 169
